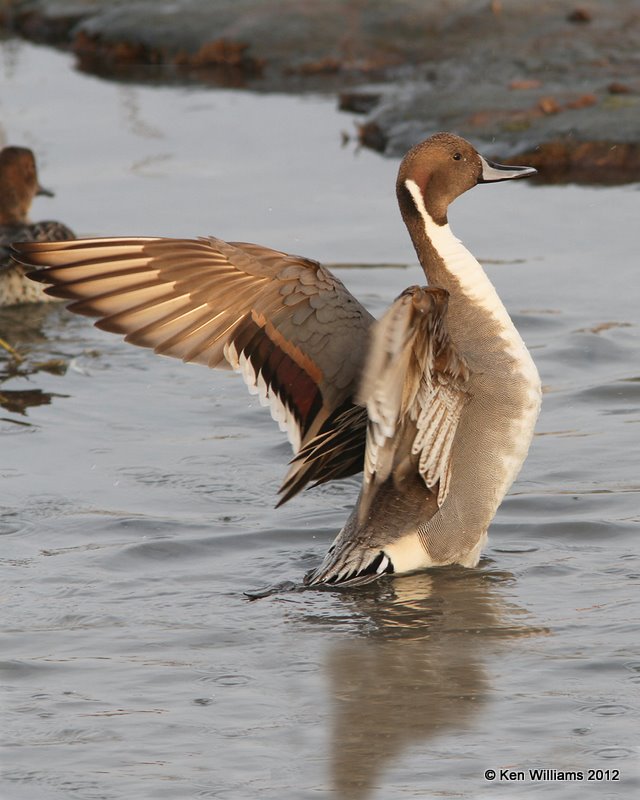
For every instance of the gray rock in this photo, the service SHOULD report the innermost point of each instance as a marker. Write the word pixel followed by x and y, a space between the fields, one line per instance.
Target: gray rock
pixel 510 74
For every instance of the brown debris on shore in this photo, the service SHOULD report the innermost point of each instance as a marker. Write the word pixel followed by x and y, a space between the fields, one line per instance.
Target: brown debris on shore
pixel 100 55
pixel 568 161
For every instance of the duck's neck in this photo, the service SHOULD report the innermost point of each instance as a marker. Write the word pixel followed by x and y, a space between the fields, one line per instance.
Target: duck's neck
pixel 448 263
pixel 13 211
pixel 476 313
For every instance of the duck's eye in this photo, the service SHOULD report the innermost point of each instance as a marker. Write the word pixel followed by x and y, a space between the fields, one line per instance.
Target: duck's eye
pixel 457 156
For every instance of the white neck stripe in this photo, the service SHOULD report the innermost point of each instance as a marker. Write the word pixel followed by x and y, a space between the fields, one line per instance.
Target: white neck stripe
pixel 418 199
pixel 459 262
pixel 474 285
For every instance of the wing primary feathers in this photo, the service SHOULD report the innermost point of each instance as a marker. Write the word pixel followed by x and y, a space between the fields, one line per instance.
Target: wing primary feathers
pixel 289 326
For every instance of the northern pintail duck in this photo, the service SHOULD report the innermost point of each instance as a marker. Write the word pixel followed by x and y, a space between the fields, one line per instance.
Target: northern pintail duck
pixel 436 402
pixel 18 186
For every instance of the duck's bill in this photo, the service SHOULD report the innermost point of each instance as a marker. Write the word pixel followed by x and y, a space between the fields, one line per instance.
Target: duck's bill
pixel 46 192
pixel 492 172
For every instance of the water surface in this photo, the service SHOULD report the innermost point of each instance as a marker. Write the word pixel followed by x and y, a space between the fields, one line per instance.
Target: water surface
pixel 137 492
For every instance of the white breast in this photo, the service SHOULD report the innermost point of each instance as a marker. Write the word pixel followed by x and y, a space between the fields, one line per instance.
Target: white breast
pixel 479 292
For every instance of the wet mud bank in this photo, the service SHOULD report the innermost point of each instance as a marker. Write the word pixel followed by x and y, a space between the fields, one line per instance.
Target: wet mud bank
pixel 554 83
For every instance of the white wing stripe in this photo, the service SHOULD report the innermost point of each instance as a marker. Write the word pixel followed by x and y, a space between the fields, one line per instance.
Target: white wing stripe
pixel 257 385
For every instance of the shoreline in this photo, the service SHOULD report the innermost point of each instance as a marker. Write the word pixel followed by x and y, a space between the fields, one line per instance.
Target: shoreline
pixel 556 85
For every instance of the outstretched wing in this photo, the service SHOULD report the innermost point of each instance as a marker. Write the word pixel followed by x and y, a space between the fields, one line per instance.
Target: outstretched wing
pixel 413 387
pixel 289 326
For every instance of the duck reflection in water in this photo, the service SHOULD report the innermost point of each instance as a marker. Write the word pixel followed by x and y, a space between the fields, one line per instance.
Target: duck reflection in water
pixel 25 351
pixel 416 672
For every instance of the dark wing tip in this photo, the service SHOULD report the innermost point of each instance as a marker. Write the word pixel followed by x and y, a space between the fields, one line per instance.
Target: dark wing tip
pixel 39 275
pixel 34 254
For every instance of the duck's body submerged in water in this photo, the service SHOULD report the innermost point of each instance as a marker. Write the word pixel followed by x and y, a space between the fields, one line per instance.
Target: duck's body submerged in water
pixel 18 187
pixel 436 402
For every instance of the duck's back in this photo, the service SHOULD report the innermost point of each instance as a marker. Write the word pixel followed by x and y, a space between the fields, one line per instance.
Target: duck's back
pixel 15 287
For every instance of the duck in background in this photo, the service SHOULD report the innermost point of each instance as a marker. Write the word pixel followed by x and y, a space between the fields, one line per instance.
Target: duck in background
pixel 18 186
